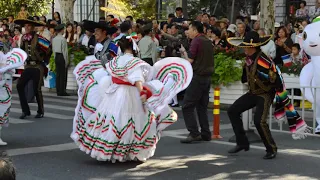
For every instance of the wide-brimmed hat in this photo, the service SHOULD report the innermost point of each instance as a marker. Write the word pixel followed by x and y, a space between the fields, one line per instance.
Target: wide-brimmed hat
pixel 29 20
pixel 91 25
pixel 251 39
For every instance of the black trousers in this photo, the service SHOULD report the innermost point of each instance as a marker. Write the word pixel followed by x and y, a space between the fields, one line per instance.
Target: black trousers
pixel 27 75
pixel 61 76
pixel 196 98
pixel 262 104
pixel 148 60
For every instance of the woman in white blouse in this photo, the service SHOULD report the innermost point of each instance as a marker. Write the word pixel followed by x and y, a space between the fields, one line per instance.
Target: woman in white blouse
pixel 70 35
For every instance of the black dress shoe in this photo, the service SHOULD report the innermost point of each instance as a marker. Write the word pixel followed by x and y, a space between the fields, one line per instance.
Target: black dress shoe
pixel 238 149
pixel 270 155
pixel 39 115
pixel 191 139
pixel 24 115
pixel 65 94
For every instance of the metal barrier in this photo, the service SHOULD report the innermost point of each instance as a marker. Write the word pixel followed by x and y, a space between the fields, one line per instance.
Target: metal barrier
pixel 249 124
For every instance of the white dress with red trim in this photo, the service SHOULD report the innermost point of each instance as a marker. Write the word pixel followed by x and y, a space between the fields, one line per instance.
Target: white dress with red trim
pixel 8 62
pixel 111 123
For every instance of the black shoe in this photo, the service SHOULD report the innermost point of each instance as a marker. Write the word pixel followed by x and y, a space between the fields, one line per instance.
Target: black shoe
pixel 270 155
pixel 206 138
pixel 238 149
pixel 191 139
pixel 24 115
pixel 39 115
pixel 65 94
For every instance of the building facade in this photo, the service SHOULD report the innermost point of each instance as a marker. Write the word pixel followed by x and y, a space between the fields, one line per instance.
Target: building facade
pixel 83 9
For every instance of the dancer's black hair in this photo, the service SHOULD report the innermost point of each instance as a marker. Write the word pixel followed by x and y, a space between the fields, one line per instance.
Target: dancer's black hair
pixel 125 44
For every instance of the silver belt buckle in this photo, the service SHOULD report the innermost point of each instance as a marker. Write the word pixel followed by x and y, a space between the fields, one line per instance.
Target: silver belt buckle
pixel 33 63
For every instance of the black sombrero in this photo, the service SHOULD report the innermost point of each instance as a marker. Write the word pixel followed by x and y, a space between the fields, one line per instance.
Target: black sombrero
pixel 29 20
pixel 91 25
pixel 251 39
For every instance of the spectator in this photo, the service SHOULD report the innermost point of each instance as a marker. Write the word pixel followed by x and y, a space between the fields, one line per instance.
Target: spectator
pixel 44 32
pixel 7 170
pixel 146 44
pixel 43 19
pixel 5 21
pixel 213 20
pixel 303 12
pixel 314 11
pixel 10 22
pixel 241 30
pixel 283 44
pixel 110 18
pixel 129 19
pixel 79 35
pixel 179 15
pixel 304 23
pixel 156 30
pixel 217 41
pixel 298 29
pixel 296 55
pixel 23 14
pixel 17 37
pixel 103 19
pixel 125 27
pixel 246 21
pixel 69 34
pixel 256 26
pixel 36 18
pixel 205 18
pixel 57 17
pixel 270 48
pixel 231 31
pixel 224 23
pixel 197 94
pixel 174 39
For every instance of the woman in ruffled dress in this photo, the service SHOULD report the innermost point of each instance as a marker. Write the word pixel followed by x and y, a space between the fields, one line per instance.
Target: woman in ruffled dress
pixel 123 108
pixel 8 62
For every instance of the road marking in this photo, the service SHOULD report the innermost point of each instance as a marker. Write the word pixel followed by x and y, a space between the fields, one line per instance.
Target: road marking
pixel 64 108
pixel 18 121
pixel 48 99
pixel 170 133
pixel 62 97
pixel 46 114
pixel 42 149
pixel 290 151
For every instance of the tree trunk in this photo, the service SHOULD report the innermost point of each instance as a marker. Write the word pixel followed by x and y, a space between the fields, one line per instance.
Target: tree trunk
pixel 267 15
pixel 102 3
pixel 67 10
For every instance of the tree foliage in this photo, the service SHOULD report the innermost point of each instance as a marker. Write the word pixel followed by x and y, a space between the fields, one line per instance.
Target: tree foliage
pixel 34 7
pixel 144 9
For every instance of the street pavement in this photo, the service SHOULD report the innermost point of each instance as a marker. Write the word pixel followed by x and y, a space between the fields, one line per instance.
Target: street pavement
pixel 42 149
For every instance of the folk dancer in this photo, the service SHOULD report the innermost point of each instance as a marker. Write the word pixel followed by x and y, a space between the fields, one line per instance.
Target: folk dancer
pixel 265 83
pixel 37 49
pixel 8 62
pixel 102 48
pixel 123 108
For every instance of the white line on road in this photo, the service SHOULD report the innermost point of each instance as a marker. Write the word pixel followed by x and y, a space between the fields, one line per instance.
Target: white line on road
pixel 48 99
pixel 42 149
pixel 46 114
pixel 170 133
pixel 62 97
pixel 291 151
pixel 18 121
pixel 64 108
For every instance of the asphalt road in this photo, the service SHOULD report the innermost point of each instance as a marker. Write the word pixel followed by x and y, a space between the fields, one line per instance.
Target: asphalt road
pixel 42 150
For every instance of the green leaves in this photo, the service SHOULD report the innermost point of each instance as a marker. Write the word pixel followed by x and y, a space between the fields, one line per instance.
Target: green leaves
pixel 227 70
pixel 35 7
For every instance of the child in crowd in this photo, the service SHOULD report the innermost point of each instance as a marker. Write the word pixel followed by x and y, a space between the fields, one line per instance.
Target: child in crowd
pixel 296 54
pixel 23 14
